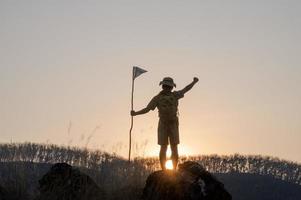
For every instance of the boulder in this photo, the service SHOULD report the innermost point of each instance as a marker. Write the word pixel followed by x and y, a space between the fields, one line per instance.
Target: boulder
pixel 63 182
pixel 190 182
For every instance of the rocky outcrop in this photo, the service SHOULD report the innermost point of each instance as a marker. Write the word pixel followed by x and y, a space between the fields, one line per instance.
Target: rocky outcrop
pixel 63 182
pixel 190 182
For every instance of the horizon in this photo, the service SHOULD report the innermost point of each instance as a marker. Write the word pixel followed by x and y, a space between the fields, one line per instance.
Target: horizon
pixel 113 154
pixel 65 74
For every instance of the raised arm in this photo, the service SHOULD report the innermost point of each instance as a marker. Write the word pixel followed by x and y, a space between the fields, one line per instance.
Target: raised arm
pixel 188 87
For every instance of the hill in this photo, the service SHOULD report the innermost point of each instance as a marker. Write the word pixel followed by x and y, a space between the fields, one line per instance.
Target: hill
pixel 245 177
pixel 260 187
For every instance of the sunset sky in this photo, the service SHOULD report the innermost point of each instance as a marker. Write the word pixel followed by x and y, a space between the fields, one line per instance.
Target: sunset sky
pixel 65 73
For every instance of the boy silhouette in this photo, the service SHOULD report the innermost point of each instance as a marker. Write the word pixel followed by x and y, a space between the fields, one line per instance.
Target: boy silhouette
pixel 168 128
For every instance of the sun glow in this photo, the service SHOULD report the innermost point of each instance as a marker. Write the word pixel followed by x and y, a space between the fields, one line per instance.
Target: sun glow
pixel 169 165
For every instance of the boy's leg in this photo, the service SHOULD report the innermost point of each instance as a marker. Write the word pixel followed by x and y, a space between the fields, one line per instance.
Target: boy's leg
pixel 174 141
pixel 162 156
pixel 174 155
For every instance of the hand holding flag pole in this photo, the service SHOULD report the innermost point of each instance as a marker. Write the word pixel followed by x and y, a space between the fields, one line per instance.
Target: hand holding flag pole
pixel 137 71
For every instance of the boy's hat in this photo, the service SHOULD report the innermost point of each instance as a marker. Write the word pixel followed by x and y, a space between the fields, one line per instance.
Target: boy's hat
pixel 168 81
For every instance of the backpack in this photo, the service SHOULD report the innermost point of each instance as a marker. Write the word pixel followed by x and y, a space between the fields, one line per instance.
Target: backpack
pixel 167 106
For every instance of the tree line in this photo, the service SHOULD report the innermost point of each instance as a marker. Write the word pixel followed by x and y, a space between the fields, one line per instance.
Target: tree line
pixel 103 162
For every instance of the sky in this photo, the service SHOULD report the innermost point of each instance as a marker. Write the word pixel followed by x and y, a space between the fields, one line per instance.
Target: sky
pixel 65 74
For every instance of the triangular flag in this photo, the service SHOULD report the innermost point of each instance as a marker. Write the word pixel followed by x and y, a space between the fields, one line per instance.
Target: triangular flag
pixel 137 71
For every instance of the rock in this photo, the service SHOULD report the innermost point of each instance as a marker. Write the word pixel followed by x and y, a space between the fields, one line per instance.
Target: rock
pixel 190 182
pixel 63 182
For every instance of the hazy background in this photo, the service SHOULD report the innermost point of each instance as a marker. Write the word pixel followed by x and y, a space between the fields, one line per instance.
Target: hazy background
pixel 65 73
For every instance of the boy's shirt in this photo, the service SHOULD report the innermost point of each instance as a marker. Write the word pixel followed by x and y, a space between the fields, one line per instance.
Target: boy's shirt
pixel 167 104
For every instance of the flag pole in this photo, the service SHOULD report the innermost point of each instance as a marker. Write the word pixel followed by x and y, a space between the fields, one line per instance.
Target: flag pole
pixel 132 118
pixel 137 71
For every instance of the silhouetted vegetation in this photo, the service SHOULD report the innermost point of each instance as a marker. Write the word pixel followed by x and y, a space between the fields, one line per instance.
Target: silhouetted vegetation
pixel 23 164
pixel 101 161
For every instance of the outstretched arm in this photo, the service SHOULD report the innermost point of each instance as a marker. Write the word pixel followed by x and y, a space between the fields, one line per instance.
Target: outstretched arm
pixel 140 112
pixel 150 106
pixel 188 87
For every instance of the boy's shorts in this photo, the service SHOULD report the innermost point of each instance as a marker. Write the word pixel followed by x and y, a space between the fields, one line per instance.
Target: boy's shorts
pixel 168 132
